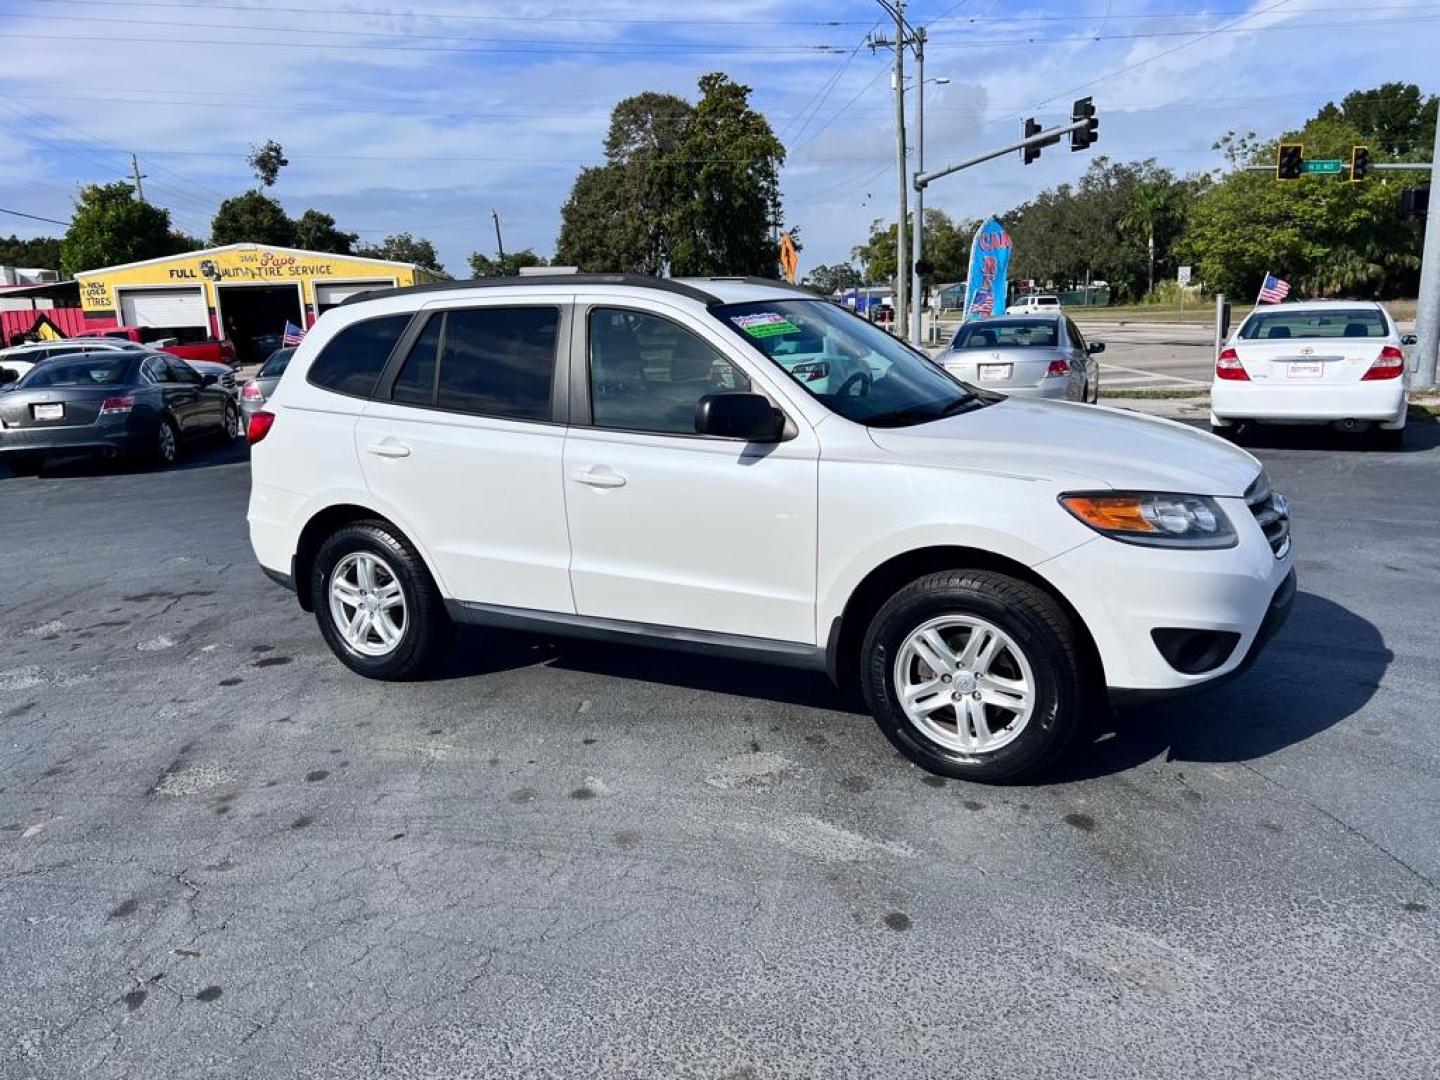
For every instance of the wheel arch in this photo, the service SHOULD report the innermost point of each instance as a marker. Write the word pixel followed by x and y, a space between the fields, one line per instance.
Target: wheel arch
pixel 847 632
pixel 327 521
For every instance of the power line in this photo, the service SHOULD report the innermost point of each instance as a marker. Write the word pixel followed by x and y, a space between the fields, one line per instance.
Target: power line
pixel 34 217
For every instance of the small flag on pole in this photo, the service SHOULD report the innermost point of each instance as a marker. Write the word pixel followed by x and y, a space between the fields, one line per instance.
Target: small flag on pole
pixel 1274 290
pixel 294 334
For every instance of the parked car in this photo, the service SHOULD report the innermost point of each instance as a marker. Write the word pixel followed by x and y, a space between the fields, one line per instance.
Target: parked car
pixel 218 351
pixel 224 374
pixel 1029 356
pixel 1337 362
pixel 620 457
pixel 255 391
pixel 1035 304
pixel 113 403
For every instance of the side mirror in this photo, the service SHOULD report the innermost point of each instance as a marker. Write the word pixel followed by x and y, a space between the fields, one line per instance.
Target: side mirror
pixel 1408 339
pixel 209 380
pixel 739 416
pixel 1095 347
pixel 8 375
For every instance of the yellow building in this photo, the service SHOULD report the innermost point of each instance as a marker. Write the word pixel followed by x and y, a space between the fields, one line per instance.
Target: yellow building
pixel 243 292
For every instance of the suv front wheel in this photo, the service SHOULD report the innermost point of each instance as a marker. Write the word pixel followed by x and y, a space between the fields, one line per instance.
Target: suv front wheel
pixel 377 606
pixel 974 675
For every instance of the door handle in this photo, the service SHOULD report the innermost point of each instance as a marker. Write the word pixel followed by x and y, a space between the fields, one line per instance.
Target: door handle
pixel 389 449
pixel 598 479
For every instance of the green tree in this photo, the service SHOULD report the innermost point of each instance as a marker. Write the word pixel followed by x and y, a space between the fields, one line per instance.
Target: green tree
pixel 402 247
pixel 828 280
pixel 111 226
pixel 1393 119
pixel 691 189
pixel 252 218
pixel 481 265
pixel 267 161
pixel 315 231
pixel 947 248
pixel 40 252
pixel 1323 235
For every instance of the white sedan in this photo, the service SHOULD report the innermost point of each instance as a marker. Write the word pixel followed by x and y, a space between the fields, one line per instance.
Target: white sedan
pixel 1319 362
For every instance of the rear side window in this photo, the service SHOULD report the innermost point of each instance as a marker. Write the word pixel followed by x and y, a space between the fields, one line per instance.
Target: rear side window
pixel 415 385
pixel 354 357
pixel 498 361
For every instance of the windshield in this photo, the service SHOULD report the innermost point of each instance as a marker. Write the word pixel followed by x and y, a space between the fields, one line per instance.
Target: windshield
pixel 276 365
pixel 1315 323
pixel 108 369
pixel 1014 334
pixel 852 367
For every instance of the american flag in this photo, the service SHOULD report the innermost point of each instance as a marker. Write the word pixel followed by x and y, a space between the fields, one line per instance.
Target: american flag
pixel 294 334
pixel 1274 290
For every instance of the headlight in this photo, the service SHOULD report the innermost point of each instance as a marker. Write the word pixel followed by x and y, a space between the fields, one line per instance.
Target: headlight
pixel 1153 519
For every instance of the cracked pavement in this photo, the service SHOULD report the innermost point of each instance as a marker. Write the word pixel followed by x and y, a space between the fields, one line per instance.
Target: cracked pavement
pixel 222 855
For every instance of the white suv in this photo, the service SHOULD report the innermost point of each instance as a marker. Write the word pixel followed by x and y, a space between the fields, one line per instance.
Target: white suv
pixel 1035 304
pixel 673 463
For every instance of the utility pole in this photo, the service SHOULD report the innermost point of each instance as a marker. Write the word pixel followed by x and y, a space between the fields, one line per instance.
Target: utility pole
pixel 499 243
pixel 138 175
pixel 896 8
pixel 917 291
pixel 1427 311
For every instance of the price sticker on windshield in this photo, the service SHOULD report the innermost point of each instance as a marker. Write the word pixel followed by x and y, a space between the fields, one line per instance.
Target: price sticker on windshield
pixel 765 324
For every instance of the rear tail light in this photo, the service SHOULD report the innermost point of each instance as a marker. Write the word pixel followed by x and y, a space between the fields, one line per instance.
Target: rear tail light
pixel 1228 366
pixel 121 404
pixel 251 392
pixel 1058 369
pixel 260 425
pixel 1389 365
pixel 813 371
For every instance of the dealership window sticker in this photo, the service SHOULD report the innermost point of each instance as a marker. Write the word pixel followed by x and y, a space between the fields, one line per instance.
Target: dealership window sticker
pixel 765 324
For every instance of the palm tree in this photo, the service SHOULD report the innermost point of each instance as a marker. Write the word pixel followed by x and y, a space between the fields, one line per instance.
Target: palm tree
pixel 1152 203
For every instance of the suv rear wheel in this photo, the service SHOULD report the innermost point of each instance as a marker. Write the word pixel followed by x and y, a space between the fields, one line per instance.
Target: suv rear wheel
pixel 974 675
pixel 376 604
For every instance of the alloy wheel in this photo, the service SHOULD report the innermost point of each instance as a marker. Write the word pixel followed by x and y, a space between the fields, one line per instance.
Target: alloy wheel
pixel 965 684
pixel 367 604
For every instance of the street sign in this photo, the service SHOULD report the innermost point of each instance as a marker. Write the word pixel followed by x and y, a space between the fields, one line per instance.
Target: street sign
pixel 1183 276
pixel 1324 165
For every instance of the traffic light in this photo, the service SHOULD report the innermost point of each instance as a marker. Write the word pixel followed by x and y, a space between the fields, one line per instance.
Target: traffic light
pixel 1080 138
pixel 1030 153
pixel 1359 163
pixel 1289 161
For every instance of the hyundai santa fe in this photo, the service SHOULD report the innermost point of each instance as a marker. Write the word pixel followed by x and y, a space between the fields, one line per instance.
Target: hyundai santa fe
pixel 620 457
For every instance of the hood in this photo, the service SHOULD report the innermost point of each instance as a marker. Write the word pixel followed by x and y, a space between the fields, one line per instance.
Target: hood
pixel 1077 446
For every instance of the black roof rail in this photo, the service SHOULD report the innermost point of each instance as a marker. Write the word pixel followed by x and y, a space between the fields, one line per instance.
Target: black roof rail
pixel 752 279
pixel 637 281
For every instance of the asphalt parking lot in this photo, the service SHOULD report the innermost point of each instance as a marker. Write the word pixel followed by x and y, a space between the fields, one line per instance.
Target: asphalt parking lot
pixel 222 855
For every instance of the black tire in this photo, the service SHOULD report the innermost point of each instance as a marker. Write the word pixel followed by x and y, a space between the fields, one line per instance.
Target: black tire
pixel 27 465
pixel 1038 626
pixel 231 431
pixel 426 633
pixel 166 452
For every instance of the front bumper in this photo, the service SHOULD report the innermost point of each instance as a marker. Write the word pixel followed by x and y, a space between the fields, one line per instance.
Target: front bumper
pixel 1124 593
pixel 1299 402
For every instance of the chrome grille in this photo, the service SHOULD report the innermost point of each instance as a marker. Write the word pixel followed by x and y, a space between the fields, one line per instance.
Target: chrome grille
pixel 1272 513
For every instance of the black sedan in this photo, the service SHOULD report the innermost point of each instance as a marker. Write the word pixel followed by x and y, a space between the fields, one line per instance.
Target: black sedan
pixel 127 403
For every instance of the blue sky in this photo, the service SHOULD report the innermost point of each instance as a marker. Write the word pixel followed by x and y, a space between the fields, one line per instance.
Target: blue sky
pixel 424 116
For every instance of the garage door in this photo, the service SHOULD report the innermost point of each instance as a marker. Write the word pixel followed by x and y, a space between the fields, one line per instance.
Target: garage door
pixel 327 296
pixel 167 308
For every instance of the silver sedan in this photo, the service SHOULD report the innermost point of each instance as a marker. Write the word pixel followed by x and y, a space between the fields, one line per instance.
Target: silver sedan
pixel 257 391
pixel 1042 356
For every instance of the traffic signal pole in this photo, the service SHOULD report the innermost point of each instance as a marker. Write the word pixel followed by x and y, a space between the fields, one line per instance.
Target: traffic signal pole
pixel 917 287
pixel 1427 311
pixel 1042 138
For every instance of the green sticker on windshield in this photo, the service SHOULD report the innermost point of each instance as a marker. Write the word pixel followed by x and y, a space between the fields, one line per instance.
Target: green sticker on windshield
pixel 765 324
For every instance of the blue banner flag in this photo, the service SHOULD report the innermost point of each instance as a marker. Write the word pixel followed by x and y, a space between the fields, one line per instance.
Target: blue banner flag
pixel 989 268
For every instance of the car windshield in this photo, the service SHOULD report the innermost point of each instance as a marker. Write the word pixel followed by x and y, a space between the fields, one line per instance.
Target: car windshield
pixel 1011 334
pixel 852 367
pixel 1315 323
pixel 276 365
pixel 109 369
